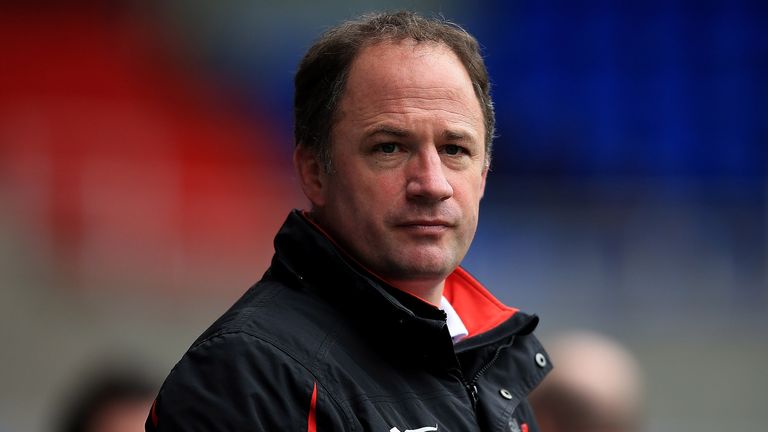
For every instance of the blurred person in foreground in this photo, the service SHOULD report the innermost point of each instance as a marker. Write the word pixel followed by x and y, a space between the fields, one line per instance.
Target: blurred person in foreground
pixel 596 387
pixel 365 321
pixel 109 401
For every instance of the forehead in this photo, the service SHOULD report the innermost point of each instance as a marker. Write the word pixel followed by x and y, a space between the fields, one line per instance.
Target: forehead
pixel 407 77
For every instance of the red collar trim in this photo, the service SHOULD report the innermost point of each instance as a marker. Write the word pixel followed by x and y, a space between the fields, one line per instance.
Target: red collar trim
pixel 478 309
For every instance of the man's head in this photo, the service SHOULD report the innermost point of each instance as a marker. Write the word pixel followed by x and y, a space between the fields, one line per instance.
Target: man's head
pixel 596 386
pixel 112 400
pixel 322 75
pixel 393 152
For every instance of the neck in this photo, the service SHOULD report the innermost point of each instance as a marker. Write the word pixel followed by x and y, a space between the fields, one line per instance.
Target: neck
pixel 426 290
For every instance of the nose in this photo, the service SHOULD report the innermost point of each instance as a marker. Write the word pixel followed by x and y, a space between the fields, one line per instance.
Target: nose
pixel 426 180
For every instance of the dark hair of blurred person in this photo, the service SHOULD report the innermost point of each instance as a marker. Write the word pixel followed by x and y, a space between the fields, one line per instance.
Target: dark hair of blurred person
pixel 109 401
pixel 596 386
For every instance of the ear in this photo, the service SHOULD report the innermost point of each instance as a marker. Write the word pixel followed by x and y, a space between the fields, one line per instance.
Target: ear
pixel 482 182
pixel 311 174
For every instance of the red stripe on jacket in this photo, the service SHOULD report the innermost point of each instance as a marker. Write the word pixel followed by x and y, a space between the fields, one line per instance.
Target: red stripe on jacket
pixel 312 417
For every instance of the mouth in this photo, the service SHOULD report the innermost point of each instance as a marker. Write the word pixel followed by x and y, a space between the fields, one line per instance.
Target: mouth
pixel 426 226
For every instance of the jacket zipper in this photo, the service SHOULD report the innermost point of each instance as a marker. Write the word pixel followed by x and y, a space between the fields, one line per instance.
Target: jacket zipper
pixel 472 390
pixel 471 386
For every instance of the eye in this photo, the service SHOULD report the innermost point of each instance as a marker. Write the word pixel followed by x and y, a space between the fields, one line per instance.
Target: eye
pixel 388 147
pixel 453 149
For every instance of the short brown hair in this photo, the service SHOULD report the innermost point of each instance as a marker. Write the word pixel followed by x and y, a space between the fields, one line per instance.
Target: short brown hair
pixel 322 74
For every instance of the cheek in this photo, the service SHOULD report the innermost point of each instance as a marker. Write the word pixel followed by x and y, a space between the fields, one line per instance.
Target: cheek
pixel 469 191
pixel 357 194
pixel 377 190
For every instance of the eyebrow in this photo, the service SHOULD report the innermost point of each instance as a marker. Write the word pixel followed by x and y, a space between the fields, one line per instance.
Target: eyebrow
pixel 452 135
pixel 389 130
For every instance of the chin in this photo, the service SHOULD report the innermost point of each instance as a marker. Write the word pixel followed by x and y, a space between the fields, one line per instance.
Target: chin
pixel 423 271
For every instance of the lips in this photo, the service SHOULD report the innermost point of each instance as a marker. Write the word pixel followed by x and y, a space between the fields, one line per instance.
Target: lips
pixel 429 227
pixel 426 223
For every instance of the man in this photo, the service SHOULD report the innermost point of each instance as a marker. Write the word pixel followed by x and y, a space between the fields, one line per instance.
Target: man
pixel 597 386
pixel 111 400
pixel 364 321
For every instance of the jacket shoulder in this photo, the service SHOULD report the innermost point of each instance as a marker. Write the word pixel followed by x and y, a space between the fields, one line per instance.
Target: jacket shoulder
pixel 292 320
pixel 234 380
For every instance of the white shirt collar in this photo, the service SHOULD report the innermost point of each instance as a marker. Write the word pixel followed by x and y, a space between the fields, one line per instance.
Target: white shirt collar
pixel 455 326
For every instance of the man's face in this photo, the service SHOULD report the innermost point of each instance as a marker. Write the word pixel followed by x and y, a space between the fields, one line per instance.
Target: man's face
pixel 408 159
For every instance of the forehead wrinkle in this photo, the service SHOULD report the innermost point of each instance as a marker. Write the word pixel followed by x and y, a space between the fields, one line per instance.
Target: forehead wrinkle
pixel 404 115
pixel 421 92
pixel 457 105
pixel 394 117
pixel 456 110
pixel 449 105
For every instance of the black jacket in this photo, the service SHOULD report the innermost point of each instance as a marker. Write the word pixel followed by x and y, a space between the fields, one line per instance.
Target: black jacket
pixel 320 344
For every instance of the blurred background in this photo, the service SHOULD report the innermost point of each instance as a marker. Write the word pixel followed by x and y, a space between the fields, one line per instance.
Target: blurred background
pixel 145 167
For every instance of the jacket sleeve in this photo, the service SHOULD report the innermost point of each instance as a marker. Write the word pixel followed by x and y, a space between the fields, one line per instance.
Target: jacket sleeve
pixel 237 382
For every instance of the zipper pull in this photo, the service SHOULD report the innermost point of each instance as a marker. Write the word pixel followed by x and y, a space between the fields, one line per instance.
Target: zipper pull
pixel 472 389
